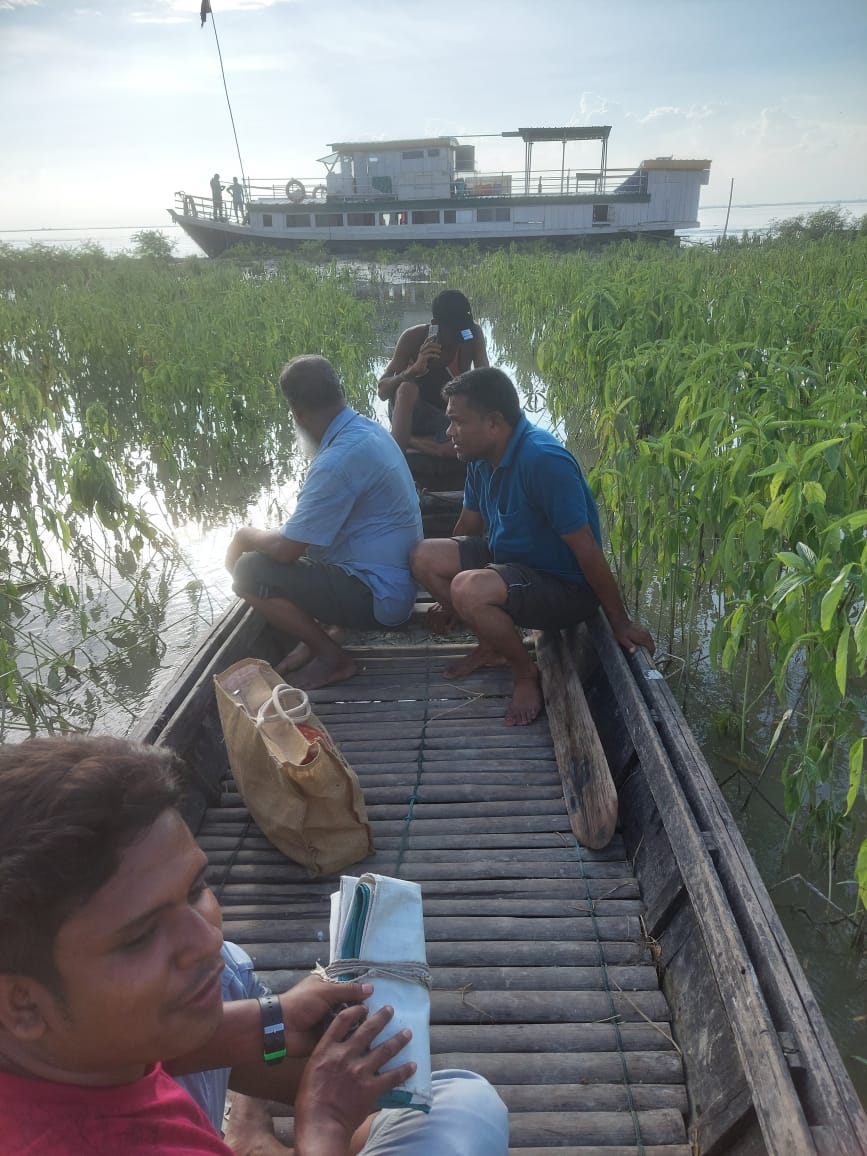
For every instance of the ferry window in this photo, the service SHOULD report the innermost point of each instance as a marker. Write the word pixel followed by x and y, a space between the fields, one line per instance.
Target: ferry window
pixel 373 160
pixel 412 154
pixel 267 221
pixel 449 217
pixel 600 215
pixel 433 152
pixel 297 220
pixel 426 217
pixel 361 218
pixel 328 219
pixel 493 215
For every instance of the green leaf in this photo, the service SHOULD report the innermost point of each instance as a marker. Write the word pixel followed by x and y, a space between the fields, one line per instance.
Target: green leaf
pixel 861 638
pixel 850 521
pixel 856 769
pixel 790 558
pixel 820 447
pixel 814 494
pixel 808 554
pixel 832 597
pixel 861 873
pixel 842 661
pixel 787 586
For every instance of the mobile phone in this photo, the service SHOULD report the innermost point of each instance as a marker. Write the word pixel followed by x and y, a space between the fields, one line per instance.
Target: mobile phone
pixel 433 331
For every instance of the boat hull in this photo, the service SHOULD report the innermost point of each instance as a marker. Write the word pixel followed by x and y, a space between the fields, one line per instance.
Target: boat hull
pixel 217 237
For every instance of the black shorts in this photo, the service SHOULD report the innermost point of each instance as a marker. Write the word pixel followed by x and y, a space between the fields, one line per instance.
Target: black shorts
pixel 325 591
pixel 427 420
pixel 534 598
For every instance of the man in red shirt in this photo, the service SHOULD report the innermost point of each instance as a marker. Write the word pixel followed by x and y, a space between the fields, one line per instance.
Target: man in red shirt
pixel 110 976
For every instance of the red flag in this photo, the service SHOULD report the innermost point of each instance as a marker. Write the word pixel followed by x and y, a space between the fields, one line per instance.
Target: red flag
pixel 205 9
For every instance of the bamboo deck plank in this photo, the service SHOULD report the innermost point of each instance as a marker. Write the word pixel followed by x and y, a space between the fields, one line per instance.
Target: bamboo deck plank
pixel 543 980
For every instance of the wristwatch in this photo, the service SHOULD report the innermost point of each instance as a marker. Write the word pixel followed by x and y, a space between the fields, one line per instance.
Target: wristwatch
pixel 273 1031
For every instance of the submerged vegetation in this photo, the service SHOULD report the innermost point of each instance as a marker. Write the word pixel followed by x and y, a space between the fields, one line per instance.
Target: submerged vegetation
pixel 130 391
pixel 723 387
pixel 727 392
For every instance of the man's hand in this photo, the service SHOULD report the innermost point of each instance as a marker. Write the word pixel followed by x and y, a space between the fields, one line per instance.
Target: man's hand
pixel 430 351
pixel 237 547
pixel 441 619
pixel 342 1081
pixel 307 1006
pixel 631 635
pixel 271 543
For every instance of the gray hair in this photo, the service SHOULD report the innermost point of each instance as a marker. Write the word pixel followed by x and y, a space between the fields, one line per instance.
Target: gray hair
pixel 310 382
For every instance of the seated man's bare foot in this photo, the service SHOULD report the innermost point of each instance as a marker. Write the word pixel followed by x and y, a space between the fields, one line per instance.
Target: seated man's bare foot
pixel 297 657
pixel 478 657
pixel 301 654
pixel 250 1129
pixel 527 702
pixel 325 672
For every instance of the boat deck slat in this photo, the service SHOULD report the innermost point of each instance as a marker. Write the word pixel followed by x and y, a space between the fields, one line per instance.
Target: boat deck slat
pixel 543 979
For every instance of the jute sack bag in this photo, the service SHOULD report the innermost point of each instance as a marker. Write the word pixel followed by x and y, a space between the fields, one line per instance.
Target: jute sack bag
pixel 304 796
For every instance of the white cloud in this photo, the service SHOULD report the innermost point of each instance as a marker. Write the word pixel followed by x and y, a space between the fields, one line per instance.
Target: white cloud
pixel 8 5
pixel 673 112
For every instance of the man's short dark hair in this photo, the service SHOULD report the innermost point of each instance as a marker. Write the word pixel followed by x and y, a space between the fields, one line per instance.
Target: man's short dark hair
pixel 487 390
pixel 68 808
pixel 452 311
pixel 310 382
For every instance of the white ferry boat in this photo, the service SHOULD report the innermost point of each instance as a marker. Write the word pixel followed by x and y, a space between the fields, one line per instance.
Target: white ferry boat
pixel 391 194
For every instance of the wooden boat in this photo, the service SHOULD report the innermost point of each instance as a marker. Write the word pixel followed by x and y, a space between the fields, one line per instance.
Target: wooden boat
pixel 376 195
pixel 639 998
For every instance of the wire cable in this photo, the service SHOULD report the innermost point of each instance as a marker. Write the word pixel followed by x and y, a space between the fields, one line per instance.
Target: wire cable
pixel 228 101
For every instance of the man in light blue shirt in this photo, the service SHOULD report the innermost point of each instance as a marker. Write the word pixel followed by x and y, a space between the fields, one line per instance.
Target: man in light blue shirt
pixel 343 557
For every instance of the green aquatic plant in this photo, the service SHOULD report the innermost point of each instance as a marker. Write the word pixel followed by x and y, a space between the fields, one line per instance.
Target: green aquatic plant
pixel 131 392
pixel 726 388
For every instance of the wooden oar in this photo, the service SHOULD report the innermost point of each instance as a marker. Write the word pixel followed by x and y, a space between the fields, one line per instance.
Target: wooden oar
pixel 588 788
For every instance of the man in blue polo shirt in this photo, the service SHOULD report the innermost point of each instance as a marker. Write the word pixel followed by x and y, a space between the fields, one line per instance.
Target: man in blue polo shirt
pixel 343 556
pixel 526 549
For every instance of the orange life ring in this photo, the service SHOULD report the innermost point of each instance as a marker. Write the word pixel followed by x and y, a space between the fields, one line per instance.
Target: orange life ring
pixel 295 190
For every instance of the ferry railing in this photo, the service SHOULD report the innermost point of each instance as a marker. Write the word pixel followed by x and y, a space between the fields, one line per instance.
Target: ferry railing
pixel 190 205
pixel 542 183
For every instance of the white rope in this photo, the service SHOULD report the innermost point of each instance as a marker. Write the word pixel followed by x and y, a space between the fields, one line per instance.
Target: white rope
pixel 274 707
pixel 409 971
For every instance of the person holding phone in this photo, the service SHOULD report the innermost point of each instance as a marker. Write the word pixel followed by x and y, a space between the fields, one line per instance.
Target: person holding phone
pixel 426 358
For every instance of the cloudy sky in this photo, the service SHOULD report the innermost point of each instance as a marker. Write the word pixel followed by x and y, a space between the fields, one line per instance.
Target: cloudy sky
pixel 110 107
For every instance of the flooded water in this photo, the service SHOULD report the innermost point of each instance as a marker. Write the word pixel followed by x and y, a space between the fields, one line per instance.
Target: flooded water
pixel 198 590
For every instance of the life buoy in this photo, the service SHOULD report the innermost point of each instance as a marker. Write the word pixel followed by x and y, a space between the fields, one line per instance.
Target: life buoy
pixel 320 192
pixel 295 190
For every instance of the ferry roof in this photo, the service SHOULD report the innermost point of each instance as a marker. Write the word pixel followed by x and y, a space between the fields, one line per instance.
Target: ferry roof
pixel 431 142
pixel 589 132
pixel 672 165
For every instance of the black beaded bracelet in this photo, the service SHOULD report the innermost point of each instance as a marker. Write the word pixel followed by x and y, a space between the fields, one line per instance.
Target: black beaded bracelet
pixel 274 1037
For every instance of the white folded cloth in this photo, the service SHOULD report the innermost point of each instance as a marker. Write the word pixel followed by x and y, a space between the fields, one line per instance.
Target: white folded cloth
pixel 377 936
